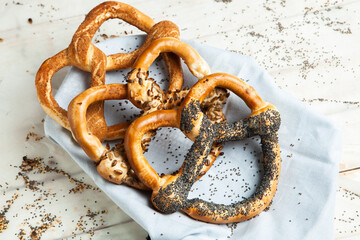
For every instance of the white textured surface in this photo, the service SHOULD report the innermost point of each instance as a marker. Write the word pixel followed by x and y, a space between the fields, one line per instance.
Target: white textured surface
pixel 309 47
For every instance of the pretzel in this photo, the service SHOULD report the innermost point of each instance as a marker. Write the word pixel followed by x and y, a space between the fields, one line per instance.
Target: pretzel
pixel 147 95
pixel 112 164
pixel 139 83
pixel 82 54
pixel 143 91
pixel 170 192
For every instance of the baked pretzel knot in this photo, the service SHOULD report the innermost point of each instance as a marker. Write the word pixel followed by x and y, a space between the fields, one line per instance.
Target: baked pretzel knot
pixel 171 191
pixel 143 91
pixel 82 54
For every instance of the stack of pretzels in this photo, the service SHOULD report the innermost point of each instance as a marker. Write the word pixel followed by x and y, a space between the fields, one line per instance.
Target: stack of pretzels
pixel 197 112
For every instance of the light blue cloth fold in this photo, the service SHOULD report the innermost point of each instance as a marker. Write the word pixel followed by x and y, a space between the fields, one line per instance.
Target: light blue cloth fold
pixel 303 207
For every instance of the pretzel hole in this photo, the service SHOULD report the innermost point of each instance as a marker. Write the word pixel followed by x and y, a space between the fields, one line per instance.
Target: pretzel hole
pixel 79 81
pixel 234 175
pixel 113 28
pixel 235 108
pixel 167 150
pixel 120 111
pixel 159 73
pixel 58 77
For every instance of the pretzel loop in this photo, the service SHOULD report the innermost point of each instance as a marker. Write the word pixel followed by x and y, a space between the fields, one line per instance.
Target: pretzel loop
pixel 265 124
pixel 83 50
pixel 112 164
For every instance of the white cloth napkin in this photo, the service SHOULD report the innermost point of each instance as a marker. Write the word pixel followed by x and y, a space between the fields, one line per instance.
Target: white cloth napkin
pixel 303 207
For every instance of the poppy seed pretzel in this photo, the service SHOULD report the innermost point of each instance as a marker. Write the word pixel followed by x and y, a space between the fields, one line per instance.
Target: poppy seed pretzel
pixel 82 54
pixel 170 192
pixel 263 121
pixel 112 164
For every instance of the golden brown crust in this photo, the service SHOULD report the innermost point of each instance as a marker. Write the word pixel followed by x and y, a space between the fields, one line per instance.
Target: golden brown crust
pixel 143 92
pixel 82 51
pixel 44 87
pixel 77 114
pixel 112 164
pixel 196 64
pixel 84 55
pixel 100 154
pixel 132 143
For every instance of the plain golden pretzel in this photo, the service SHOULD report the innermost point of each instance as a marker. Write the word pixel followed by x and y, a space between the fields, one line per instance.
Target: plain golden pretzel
pixel 84 55
pixel 112 163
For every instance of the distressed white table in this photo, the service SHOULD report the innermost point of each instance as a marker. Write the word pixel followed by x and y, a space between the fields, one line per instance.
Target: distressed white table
pixel 311 48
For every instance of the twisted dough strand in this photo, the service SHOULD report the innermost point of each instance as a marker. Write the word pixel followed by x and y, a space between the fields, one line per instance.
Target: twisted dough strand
pixel 84 55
